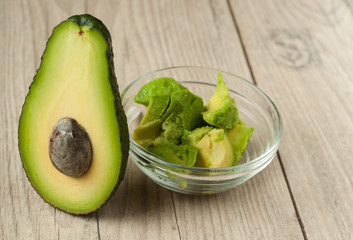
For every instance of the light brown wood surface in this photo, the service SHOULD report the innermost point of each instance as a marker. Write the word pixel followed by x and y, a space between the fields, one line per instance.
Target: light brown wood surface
pixel 299 52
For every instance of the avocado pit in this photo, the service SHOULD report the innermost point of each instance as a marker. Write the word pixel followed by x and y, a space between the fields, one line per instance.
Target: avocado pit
pixel 70 148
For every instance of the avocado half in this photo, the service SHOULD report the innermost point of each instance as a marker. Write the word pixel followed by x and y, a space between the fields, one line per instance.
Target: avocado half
pixel 73 116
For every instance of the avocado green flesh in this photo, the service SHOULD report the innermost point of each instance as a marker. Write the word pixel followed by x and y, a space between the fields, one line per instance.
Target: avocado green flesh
pixel 73 81
pixel 156 108
pixel 181 154
pixel 157 87
pixel 239 137
pixel 221 110
pixel 168 114
pixel 183 113
pixel 214 148
pixel 151 124
pixel 193 137
pixel 145 134
pixel 188 106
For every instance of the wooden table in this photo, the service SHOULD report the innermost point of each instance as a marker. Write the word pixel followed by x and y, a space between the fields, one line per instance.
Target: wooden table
pixel 300 52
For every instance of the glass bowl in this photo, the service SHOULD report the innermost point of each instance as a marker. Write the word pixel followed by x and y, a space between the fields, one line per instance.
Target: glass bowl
pixel 255 108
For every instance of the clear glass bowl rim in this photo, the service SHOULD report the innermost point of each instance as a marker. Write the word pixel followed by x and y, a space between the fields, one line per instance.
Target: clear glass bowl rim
pixel 261 159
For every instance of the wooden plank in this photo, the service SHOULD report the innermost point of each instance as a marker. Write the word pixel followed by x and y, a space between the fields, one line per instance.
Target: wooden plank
pixel 140 209
pixel 301 54
pixel 156 34
pixel 258 209
pixel 25 27
pixel 149 36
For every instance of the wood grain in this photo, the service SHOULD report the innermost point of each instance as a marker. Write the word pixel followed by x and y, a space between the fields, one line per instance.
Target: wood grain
pixel 258 209
pixel 301 54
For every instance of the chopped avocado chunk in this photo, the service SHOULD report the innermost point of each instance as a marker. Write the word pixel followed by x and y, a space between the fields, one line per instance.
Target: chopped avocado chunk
pixel 156 108
pixel 193 137
pixel 73 137
pixel 145 134
pixel 157 87
pixel 183 113
pixel 188 106
pixel 172 129
pixel 221 110
pixel 215 149
pixel 181 154
pixel 239 137
pixel 172 109
pixel 151 124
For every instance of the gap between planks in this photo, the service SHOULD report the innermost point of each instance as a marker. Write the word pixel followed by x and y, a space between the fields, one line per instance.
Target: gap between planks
pixel 292 197
pixel 175 214
pixel 242 43
pixel 301 224
pixel 98 230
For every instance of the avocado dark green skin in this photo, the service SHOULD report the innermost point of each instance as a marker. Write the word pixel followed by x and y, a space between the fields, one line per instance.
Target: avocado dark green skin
pixel 96 24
